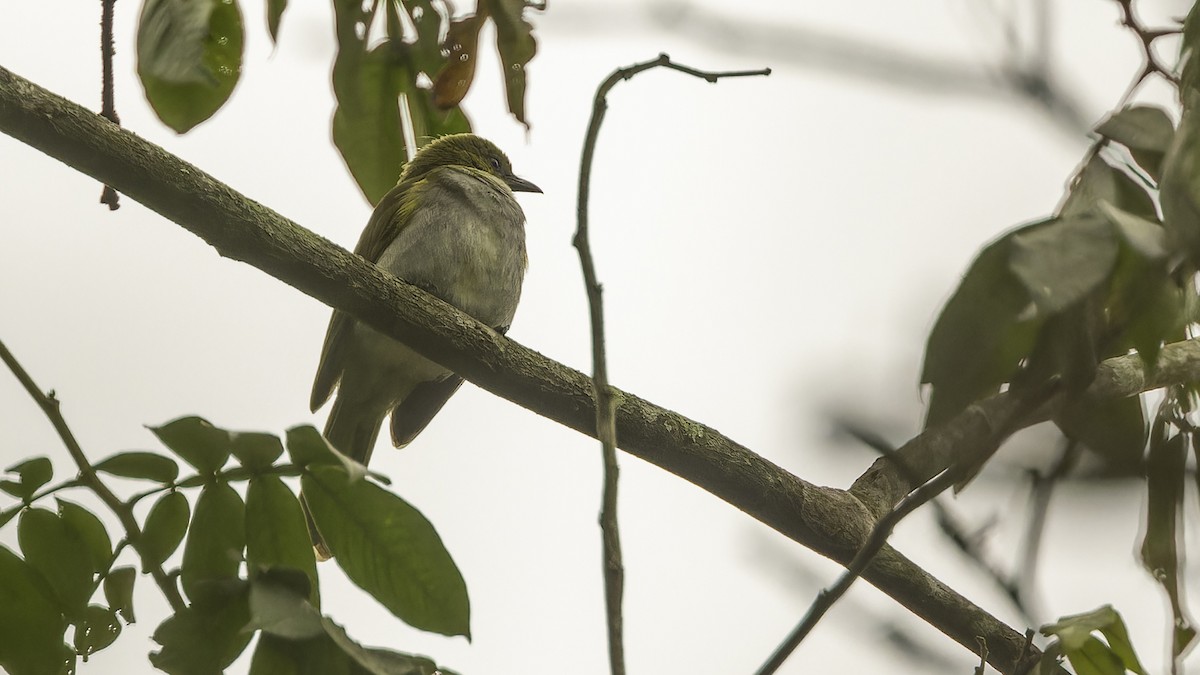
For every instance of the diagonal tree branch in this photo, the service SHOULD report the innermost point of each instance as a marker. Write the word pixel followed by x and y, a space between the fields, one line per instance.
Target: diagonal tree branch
pixel 829 521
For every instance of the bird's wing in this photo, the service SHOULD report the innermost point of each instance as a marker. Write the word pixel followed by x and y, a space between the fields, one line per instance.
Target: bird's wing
pixel 385 223
pixel 417 409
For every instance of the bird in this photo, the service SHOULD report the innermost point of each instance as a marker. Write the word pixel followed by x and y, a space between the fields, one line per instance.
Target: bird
pixel 452 227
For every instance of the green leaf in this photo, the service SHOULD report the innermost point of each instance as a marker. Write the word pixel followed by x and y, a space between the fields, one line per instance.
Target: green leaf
pixel 165 526
pixel 427 53
pixel 1099 181
pixel 275 9
pixel 981 335
pixel 197 442
pixel 515 42
pixel 99 629
pixel 60 555
pixel 366 123
pixel 430 122
pixel 382 661
pixel 189 57
pixel 1145 305
pixel 203 639
pixel 89 529
pixel 333 652
pixel 140 465
pixel 213 551
pixel 255 450
pixel 29 621
pixel 1179 189
pixel 279 610
pixel 8 514
pixel 34 474
pixel 1063 262
pixel 1163 539
pixel 390 550
pixel 307 446
pixel 1075 635
pixel 118 591
pixel 1114 430
pixel 1095 658
pixel 276 535
pixel 1146 130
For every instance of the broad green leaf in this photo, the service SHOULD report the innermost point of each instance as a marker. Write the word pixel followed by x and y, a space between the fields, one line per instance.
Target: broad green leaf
pixel 382 661
pixel 165 526
pixel 275 9
pixel 1146 130
pixel 118 591
pixel 981 335
pixel 1075 634
pixel 515 42
pixel 189 57
pixel 454 79
pixel 429 24
pixel 34 473
pixel 8 514
pixel 317 656
pixel 140 465
pixel 367 84
pixel 1114 430
pixel 281 611
pixel 203 639
pixel 98 630
pixel 1179 189
pixel 389 549
pixel 59 555
pixel 334 653
pixel 1098 181
pixel 197 442
pixel 1145 306
pixel 1063 262
pixel 1163 538
pixel 307 446
pixel 87 527
pixel 429 122
pixel 276 535
pixel 256 450
pixel 213 551
pixel 1095 658
pixel 30 622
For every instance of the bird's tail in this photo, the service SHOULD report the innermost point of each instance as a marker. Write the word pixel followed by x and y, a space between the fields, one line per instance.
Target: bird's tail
pixel 353 434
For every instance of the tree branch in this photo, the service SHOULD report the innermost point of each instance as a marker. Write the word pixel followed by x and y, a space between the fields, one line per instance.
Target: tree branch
pixel 89 477
pixel 831 522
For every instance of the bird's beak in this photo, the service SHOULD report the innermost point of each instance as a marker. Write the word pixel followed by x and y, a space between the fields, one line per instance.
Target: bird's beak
pixel 518 184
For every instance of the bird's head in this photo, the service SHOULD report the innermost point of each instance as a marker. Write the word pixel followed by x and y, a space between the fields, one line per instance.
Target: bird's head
pixel 466 150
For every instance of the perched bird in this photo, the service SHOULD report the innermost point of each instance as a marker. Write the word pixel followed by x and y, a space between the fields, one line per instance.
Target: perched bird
pixel 452 227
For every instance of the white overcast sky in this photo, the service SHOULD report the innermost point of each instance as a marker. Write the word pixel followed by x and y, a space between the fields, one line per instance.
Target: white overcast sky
pixel 772 249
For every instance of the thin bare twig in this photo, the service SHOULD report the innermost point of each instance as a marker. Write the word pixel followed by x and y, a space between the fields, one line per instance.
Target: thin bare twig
pixel 88 477
pixel 606 404
pixel 108 109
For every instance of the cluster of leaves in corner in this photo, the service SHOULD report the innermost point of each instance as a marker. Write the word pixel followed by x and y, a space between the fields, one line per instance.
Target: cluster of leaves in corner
pixel 1056 297
pixel 189 58
pixel 383 544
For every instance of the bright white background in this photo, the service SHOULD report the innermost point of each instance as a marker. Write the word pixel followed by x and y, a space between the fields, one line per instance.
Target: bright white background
pixel 773 250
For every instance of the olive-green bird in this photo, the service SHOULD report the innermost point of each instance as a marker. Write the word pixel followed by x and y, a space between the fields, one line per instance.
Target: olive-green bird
pixel 452 227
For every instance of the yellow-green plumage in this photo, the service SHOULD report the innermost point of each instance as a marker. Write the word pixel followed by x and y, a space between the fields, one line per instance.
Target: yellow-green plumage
pixel 451 226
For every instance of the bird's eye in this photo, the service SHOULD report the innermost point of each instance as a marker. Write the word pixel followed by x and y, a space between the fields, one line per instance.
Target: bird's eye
pixel 495 163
